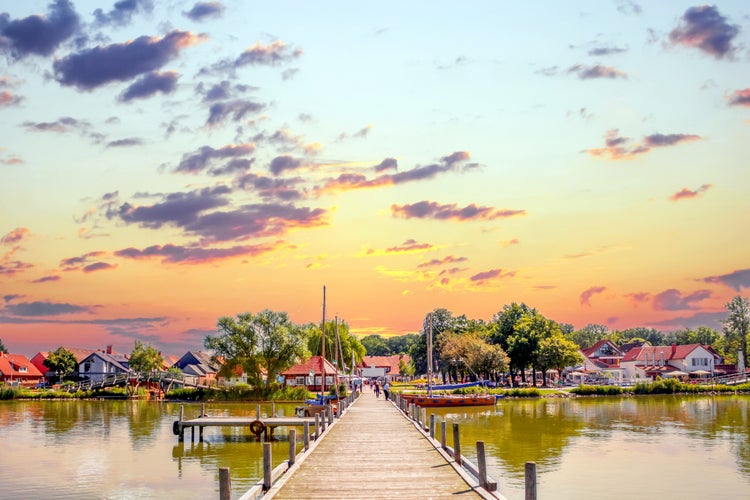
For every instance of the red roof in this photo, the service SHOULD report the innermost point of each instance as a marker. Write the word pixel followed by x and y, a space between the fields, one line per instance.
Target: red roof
pixel 661 351
pixel 313 364
pixel 17 366
pixel 591 350
pixel 389 362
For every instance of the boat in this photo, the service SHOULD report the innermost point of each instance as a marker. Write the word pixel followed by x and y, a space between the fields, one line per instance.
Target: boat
pixel 444 401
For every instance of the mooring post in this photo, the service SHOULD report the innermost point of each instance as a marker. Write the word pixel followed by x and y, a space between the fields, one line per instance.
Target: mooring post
pixel 225 484
pixel 424 418
pixel 203 410
pixel 257 412
pixel 200 434
pixel 482 466
pixel 530 473
pixel 442 434
pixel 181 436
pixel 267 467
pixel 432 425
pixel 456 445
pixel 306 431
pixel 192 434
pixel 273 410
pixel 292 446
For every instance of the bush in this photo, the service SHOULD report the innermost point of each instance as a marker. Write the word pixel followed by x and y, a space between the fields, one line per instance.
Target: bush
pixel 597 390
pixel 527 392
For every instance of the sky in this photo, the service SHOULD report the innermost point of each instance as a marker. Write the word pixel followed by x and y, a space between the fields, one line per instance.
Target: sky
pixel 164 164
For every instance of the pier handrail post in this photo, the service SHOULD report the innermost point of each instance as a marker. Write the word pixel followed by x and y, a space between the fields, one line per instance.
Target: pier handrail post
pixel 424 418
pixel 273 410
pixel 181 436
pixel 203 410
pixel 306 430
pixel 257 412
pixel 267 467
pixel 442 434
pixel 432 425
pixel 482 466
pixel 456 445
pixel 225 484
pixel 530 480
pixel 292 446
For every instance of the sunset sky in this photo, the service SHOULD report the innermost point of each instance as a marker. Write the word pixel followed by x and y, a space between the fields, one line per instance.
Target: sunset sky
pixel 163 164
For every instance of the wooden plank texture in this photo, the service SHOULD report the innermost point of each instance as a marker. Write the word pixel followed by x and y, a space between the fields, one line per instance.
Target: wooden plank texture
pixel 373 452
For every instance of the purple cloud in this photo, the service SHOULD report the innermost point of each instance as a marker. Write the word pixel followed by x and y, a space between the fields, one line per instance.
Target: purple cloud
pixel 235 110
pixel 92 68
pixel 736 279
pixel 596 71
pixel 433 210
pixel 284 162
pixel 673 300
pixel 387 164
pixel 197 161
pixel 177 254
pixel 706 29
pixel 43 309
pixel 180 209
pixel 204 10
pixel 37 34
pixel 149 84
pixel 586 295
pixel 122 12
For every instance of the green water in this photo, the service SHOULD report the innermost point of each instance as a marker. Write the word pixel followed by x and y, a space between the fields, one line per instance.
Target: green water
pixel 124 450
pixel 616 448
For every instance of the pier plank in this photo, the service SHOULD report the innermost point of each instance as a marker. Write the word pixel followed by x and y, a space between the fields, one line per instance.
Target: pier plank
pixel 373 452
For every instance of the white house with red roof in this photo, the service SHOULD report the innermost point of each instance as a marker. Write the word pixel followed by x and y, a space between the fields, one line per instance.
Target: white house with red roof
pixel 674 360
pixel 17 369
pixel 309 373
pixel 603 361
pixel 390 365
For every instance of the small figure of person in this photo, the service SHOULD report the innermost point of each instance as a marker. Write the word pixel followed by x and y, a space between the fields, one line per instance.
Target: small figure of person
pixel 376 389
pixel 386 390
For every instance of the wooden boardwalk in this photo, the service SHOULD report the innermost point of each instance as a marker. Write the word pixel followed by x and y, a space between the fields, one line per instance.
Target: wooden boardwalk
pixel 372 452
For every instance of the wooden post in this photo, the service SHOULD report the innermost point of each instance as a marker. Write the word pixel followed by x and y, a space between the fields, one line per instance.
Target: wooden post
pixel 482 466
pixel 424 418
pixel 292 446
pixel 306 430
pixel 456 445
pixel 203 410
pixel 530 473
pixel 273 410
pixel 267 467
pixel 181 437
pixel 225 484
pixel 432 425
pixel 257 412
pixel 442 434
pixel 192 434
pixel 200 434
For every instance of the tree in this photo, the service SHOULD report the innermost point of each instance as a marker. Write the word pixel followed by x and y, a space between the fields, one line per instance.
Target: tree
pixel 589 335
pixel 523 343
pixel 266 342
pixel 2 347
pixel 736 326
pixel 350 345
pixel 145 359
pixel 61 361
pixel 556 352
pixel 401 344
pixel 375 345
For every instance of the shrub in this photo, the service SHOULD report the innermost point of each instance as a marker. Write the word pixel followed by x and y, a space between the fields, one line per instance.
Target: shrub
pixel 524 392
pixel 597 390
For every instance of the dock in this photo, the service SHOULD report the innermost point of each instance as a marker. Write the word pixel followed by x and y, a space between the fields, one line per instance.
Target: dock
pixel 373 451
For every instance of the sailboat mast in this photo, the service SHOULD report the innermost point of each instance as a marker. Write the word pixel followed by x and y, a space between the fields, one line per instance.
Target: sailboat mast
pixel 429 359
pixel 336 348
pixel 323 348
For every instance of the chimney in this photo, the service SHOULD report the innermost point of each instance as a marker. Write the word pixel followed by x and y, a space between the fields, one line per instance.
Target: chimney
pixel 674 349
pixel 109 349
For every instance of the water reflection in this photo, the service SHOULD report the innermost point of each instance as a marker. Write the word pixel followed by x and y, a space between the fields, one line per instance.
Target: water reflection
pixel 686 439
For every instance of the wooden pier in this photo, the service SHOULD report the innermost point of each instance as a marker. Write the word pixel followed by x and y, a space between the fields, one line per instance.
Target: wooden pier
pixel 374 452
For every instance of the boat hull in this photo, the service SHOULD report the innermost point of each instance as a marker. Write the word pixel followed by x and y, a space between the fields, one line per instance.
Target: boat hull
pixel 450 401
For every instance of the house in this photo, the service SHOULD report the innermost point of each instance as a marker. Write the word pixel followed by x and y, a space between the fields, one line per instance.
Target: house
pixel 604 360
pixel 666 361
pixel 385 366
pixel 198 367
pixel 18 370
pixel 102 364
pixel 40 357
pixel 309 373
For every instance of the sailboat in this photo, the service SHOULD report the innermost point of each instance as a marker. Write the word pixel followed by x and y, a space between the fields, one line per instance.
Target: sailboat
pixel 450 400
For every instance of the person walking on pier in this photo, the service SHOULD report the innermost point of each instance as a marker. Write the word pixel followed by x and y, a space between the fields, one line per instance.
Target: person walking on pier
pixel 376 389
pixel 386 390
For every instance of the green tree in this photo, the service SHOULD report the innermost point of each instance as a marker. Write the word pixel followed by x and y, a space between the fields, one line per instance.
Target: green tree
pixel 267 341
pixel 2 347
pixel 401 344
pixel 650 335
pixel 61 361
pixel 736 325
pixel 406 368
pixel 349 344
pixel 556 353
pixel 375 345
pixel 145 359
pixel 589 335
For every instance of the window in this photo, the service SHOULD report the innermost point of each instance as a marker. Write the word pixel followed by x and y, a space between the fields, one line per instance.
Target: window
pixel 22 369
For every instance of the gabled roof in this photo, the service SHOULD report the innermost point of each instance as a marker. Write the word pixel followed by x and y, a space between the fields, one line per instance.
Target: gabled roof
pixel 313 364
pixel 592 350
pixel 119 361
pixel 201 358
pixel 389 362
pixel 11 364
pixel 673 352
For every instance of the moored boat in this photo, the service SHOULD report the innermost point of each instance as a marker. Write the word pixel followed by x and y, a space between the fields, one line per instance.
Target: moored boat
pixel 450 400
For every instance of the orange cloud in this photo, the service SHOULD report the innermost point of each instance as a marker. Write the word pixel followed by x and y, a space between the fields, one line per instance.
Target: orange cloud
pixel 685 193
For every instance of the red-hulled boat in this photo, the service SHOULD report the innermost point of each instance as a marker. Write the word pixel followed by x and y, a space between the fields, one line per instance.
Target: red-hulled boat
pixel 450 400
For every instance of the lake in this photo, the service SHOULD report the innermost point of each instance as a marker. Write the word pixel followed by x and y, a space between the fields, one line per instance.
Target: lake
pixel 622 448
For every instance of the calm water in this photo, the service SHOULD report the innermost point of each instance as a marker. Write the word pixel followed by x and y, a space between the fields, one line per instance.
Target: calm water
pixel 623 448
pixel 668 447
